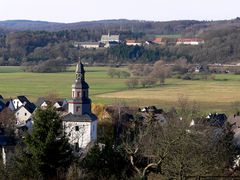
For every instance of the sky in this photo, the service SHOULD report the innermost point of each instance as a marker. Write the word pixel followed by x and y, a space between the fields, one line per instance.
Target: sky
pixel 87 10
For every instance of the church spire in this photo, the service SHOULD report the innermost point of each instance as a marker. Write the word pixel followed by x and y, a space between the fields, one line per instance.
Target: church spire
pixel 80 72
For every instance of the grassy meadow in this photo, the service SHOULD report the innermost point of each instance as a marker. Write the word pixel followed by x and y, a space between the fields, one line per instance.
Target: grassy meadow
pixel 211 95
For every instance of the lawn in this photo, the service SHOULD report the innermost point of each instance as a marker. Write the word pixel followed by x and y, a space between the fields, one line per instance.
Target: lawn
pixel 214 95
pixel 33 85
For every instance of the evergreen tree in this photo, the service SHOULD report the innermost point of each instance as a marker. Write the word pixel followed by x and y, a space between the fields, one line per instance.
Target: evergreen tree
pixel 47 150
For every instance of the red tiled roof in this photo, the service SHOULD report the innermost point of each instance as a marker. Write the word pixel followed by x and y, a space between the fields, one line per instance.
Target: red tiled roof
pixel 157 40
pixel 130 41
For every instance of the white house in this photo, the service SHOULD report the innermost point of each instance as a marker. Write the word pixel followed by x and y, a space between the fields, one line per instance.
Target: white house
pixel 23 110
pixel 80 125
pixel 22 115
pixel 60 104
pixel 189 41
pixel 132 42
pixel 88 45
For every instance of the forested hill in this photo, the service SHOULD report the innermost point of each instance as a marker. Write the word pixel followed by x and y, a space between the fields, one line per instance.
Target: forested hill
pixel 153 27
pixel 24 42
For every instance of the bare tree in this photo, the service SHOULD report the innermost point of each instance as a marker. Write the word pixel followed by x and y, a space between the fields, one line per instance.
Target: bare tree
pixel 7 121
pixel 149 146
pixel 160 71
pixel 132 83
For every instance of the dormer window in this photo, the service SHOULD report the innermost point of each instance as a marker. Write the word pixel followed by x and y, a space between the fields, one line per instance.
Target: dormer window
pixel 25 114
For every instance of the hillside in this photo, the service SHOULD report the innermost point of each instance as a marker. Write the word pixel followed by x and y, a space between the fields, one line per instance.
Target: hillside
pixel 149 27
pixel 23 41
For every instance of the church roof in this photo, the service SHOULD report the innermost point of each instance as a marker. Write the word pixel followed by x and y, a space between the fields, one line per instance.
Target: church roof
pixel 80 68
pixel 79 118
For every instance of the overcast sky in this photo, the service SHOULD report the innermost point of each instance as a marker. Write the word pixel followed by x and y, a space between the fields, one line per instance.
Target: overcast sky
pixel 85 10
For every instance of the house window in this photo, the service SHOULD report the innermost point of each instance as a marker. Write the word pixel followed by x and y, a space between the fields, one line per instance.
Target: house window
pixel 77 109
pixel 73 94
pixel 78 94
pixel 76 128
pixel 25 114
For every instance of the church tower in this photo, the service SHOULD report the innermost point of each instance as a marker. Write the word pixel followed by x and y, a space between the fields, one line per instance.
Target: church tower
pixel 80 103
pixel 80 125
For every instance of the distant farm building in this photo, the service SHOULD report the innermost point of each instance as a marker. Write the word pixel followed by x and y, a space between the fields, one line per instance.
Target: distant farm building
pixel 132 42
pixel 159 40
pixel 88 45
pixel 189 41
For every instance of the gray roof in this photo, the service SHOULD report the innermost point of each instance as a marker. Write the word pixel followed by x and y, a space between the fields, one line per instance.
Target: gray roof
pixel 23 99
pixel 79 118
pixel 107 38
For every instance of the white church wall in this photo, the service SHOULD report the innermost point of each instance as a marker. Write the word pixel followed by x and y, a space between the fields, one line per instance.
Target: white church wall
pixel 94 131
pixel 79 133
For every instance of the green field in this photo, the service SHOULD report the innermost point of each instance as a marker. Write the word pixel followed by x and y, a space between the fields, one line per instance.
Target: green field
pixel 214 95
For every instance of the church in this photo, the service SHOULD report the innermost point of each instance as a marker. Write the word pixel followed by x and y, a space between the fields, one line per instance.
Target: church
pixel 79 124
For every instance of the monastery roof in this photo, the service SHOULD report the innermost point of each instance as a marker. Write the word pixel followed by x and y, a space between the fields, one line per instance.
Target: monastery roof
pixel 110 38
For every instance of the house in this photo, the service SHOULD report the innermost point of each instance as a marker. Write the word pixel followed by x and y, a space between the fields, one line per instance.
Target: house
pixel 216 119
pixel 61 104
pixel 80 124
pixel 105 39
pixel 24 114
pixel 132 42
pixel 198 69
pixel 111 44
pixel 156 113
pixel 189 41
pixel 159 41
pixel 42 102
pixel 88 45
